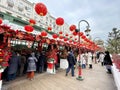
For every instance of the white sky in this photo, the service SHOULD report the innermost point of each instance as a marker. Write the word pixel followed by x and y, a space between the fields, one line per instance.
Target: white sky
pixel 102 15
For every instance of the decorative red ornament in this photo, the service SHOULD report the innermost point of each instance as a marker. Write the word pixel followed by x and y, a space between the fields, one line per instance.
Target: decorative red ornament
pixel 60 21
pixel 41 9
pixel 83 37
pixel 61 37
pixel 32 22
pixel 70 41
pixel 72 27
pixel 44 33
pixel 55 36
pixel 80 33
pixel 74 33
pixel 71 36
pixel 66 35
pixel 0 21
pixel 28 28
pixel 49 28
pixel 60 32
pixel 65 39
pixel 75 39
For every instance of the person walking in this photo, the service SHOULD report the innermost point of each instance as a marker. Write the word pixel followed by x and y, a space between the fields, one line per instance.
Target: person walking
pixel 31 66
pixel 101 58
pixel 71 63
pixel 14 62
pixel 108 62
pixel 90 60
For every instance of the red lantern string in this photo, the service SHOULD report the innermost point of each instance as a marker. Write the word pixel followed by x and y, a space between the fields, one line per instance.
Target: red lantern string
pixel 41 9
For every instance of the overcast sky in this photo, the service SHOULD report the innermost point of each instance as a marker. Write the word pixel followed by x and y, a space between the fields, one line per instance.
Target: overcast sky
pixel 102 15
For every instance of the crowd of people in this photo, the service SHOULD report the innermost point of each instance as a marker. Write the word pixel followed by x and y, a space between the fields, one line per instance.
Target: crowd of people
pixel 21 63
pixel 87 59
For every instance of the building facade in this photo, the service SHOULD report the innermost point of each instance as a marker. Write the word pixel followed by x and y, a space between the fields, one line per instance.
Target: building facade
pixel 24 10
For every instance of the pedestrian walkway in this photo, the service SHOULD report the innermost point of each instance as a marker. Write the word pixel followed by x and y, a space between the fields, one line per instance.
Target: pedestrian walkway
pixel 94 79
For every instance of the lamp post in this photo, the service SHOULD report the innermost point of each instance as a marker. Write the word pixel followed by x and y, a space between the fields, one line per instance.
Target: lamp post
pixel 79 62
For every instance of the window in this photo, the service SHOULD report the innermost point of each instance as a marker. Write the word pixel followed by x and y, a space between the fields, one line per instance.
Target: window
pixel 10 3
pixel 20 6
pixel 46 18
pixel 29 9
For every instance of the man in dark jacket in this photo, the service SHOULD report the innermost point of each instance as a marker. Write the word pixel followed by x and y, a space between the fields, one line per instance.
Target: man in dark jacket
pixel 108 62
pixel 14 62
pixel 71 63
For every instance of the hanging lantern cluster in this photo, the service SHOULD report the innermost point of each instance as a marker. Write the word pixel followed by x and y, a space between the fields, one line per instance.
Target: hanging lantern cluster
pixel 28 28
pixel 59 21
pixel 32 22
pixel 41 9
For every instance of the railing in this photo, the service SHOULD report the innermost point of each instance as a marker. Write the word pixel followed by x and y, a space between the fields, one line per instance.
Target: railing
pixel 116 60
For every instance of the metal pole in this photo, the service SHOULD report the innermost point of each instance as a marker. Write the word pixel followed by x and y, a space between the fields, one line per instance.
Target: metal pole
pixel 79 62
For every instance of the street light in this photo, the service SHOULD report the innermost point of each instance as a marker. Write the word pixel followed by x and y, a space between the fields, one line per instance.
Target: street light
pixel 87 31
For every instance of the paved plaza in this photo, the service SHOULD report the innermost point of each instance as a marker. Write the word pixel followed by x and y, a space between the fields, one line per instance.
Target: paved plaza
pixel 94 79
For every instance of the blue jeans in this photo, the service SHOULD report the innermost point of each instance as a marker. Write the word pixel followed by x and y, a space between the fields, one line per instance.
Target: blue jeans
pixel 72 69
pixel 83 66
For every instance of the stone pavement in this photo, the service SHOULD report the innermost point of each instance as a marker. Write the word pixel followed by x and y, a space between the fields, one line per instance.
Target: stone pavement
pixel 94 79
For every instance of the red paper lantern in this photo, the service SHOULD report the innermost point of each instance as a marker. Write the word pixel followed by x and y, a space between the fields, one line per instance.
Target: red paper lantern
pixel 83 37
pixel 49 28
pixel 0 21
pixel 61 37
pixel 32 22
pixel 71 36
pixel 65 39
pixel 41 9
pixel 60 21
pixel 54 36
pixel 28 28
pixel 70 41
pixel 75 39
pixel 72 27
pixel 44 33
pixel 74 33
pixel 80 33
pixel 60 32
pixel 66 35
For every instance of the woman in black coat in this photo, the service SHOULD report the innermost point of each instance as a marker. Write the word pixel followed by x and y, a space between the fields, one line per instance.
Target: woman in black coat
pixel 108 62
